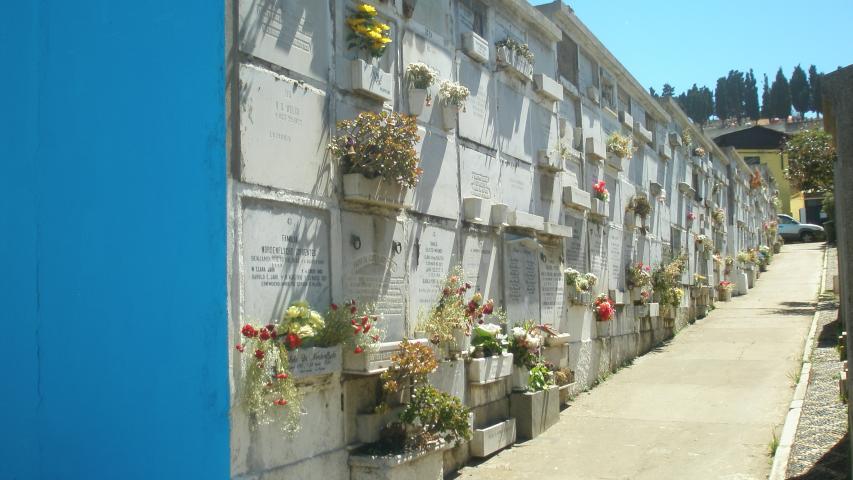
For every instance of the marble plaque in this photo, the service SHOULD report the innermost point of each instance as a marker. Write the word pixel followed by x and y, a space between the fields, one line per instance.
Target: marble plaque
pixel 545 134
pixel 309 362
pixel 655 253
pixel 436 192
pixel 432 20
pixel 598 253
pixel 284 258
pixel 283 133
pixel 375 272
pixel 477 120
pixel 481 263
pixel 521 274
pixel 507 28
pixel 615 262
pixel 572 176
pixel 551 286
pixel 546 61
pixel 480 174
pixel 514 123
pixel 576 255
pixel 433 256
pixel 294 34
pixel 516 185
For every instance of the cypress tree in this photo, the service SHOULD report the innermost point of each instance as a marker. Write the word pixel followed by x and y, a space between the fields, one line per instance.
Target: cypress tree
pixel 800 94
pixel 721 97
pixel 780 96
pixel 765 99
pixel 815 99
pixel 751 96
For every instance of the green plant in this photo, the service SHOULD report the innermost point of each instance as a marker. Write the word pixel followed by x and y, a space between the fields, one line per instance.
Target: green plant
pixel 620 145
pixel 352 325
pixel 640 205
pixel 487 340
pixel 540 377
pixel 719 216
pixel 452 311
pixel 409 368
pixel 431 415
pixel 638 275
pixel 524 344
pixel 580 282
pixel 521 49
pixel 366 32
pixel 811 160
pixel 666 280
pixel 379 145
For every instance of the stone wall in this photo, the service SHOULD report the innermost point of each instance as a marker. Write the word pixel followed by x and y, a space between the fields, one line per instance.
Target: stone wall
pixel 505 193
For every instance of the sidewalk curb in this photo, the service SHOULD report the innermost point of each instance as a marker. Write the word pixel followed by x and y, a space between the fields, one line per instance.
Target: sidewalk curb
pixel 792 419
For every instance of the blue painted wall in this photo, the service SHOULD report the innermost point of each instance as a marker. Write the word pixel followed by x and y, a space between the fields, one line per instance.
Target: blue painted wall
pixel 112 240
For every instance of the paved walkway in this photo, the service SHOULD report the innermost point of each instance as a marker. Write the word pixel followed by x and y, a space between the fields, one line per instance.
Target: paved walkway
pixel 704 406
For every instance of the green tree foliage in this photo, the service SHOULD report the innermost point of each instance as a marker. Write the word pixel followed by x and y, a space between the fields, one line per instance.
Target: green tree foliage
pixel 811 158
pixel 697 103
pixel 668 90
pixel 721 99
pixel 750 100
pixel 800 94
pixel 815 99
pixel 765 99
pixel 780 96
pixel 652 92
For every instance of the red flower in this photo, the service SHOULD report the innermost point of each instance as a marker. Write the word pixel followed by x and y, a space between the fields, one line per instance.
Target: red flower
pixel 292 341
pixel 366 328
pixel 281 376
pixel 265 334
pixel 364 320
pixel 240 348
pixel 334 307
pixel 357 329
pixel 375 338
pixel 358 349
pixel 467 285
pixel 352 321
pixel 280 402
pixel 353 309
pixel 259 354
pixel 249 331
pixel 488 308
pixel 446 291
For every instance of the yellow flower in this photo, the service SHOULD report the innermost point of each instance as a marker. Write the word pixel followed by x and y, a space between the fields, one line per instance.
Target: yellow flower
pixel 305 331
pixel 374 35
pixel 355 21
pixel 361 29
pixel 316 320
pixel 293 312
pixel 367 9
pixel 384 40
pixel 384 27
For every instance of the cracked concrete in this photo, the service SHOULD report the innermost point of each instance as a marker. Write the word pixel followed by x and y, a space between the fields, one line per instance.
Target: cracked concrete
pixel 704 405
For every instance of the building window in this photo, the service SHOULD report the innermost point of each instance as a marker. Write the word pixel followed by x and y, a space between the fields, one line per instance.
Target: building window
pixel 752 160
pixel 567 59
pixel 624 101
pixel 608 90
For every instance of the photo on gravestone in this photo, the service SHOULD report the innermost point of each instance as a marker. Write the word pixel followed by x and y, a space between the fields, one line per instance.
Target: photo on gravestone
pixel 598 254
pixel 576 255
pixel 433 255
pixel 521 278
pixel 477 119
pixel 283 133
pixel 551 285
pixel 481 264
pixel 284 258
pixel 294 34
pixel 374 269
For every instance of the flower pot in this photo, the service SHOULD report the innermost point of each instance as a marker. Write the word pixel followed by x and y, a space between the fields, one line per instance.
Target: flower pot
pixel 374 191
pixel 520 378
pixel 725 294
pixel 602 329
pixel 371 81
pixel 598 208
pixel 489 440
pixel 461 341
pixel 476 210
pixel 373 361
pixel 369 425
pixel 449 114
pixel 425 464
pixel 578 298
pixel 489 369
pixel 314 361
pixel 636 295
pixel 417 100
pixel 535 412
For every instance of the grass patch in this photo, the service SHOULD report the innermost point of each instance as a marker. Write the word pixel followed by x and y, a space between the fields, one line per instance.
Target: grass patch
pixel 774 443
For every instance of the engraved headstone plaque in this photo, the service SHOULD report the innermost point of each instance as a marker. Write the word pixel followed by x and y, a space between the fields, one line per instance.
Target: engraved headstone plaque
pixel 521 273
pixel 551 286
pixel 436 255
pixel 481 263
pixel 576 254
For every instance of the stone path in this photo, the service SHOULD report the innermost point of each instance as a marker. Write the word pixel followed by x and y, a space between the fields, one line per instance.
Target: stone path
pixel 820 449
pixel 705 405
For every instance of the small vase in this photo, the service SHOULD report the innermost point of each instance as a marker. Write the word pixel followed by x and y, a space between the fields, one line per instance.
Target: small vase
pixel 449 115
pixel 417 100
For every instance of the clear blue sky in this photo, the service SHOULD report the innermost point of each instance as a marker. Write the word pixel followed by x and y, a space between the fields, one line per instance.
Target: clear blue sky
pixel 697 42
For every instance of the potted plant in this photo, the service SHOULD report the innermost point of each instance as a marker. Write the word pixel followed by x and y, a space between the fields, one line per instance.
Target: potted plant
pixel 666 282
pixel 515 55
pixel 489 361
pixel 538 408
pixel 367 33
pixel 378 157
pixel 410 365
pixel 719 217
pixel 453 97
pixel 619 149
pixel 725 290
pixel 701 240
pixel 524 344
pixel 604 309
pixel 564 378
pixel 600 196
pixel 699 152
pixel 690 218
pixel 640 207
pixel 579 286
pixel 420 78
pixel 638 279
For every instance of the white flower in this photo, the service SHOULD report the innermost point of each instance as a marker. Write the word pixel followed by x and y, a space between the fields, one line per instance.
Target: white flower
pixel 518 332
pixel 532 342
pixel 305 331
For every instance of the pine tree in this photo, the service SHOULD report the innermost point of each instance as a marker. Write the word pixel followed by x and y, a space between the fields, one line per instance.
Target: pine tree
pixel 652 92
pixel 751 96
pixel 816 99
pixel 668 90
pixel 765 99
pixel 721 97
pixel 780 96
pixel 800 95
pixel 736 88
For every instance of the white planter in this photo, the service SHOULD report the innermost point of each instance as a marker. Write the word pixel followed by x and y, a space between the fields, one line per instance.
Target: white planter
pixel 449 114
pixel 636 295
pixel 461 342
pixel 593 94
pixel 426 465
pixel 369 425
pixel 642 133
pixel 499 216
pixel 548 87
pixel 520 378
pixel 516 64
pixel 475 47
pixel 578 298
pixel 576 198
pixel 617 162
pixel 602 329
pixel 598 208
pixel 489 369
pixel 371 362
pixel 557 355
pixel 626 119
pixel 519 219
pixel 535 412
pixel 654 309
pixel 550 161
pixel 684 187
pixel 656 189
pixel 417 100
pixel 476 210
pixel 372 81
pixel 595 150
pixel 557 230
pixel 374 191
pixel 314 361
pixel 489 440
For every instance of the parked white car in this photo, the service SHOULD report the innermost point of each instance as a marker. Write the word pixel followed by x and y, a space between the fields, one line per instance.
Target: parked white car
pixel 790 229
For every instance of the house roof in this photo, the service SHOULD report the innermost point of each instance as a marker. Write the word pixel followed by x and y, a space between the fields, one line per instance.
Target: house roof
pixel 757 137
